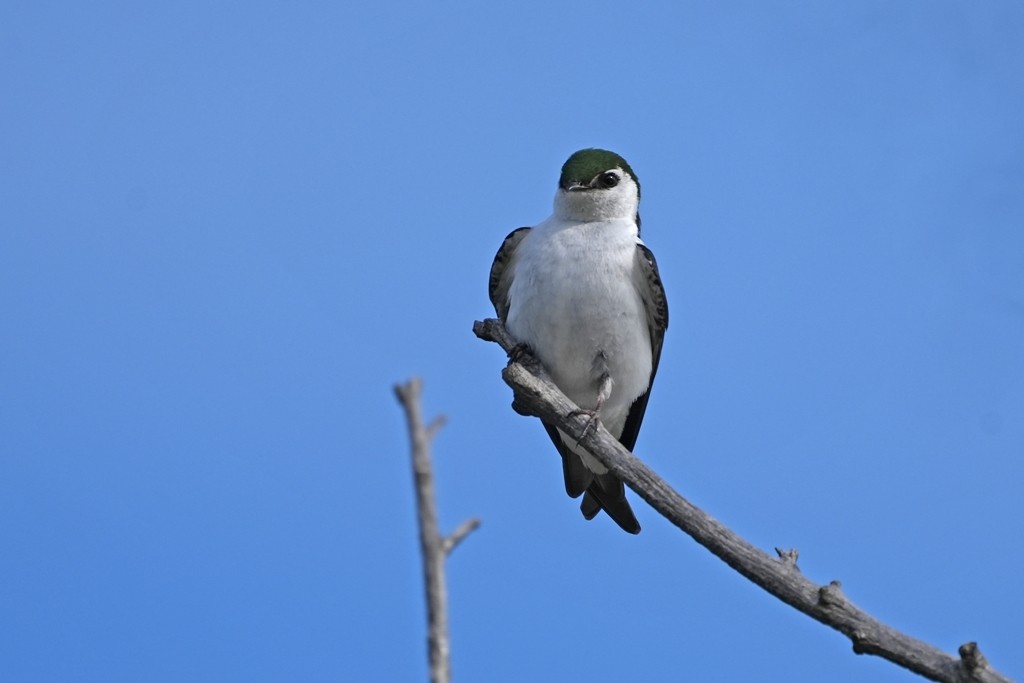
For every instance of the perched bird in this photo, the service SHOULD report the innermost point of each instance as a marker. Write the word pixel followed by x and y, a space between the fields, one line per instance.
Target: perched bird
pixel 582 293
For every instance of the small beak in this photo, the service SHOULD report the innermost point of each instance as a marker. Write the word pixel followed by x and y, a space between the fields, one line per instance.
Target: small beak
pixel 576 186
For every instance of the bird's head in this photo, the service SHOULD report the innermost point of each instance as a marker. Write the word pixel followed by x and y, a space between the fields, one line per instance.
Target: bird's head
pixel 597 185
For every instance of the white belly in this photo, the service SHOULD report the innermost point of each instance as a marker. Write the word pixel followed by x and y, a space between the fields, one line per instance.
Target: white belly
pixel 575 302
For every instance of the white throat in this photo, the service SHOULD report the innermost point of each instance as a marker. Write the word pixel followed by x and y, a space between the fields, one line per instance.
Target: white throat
pixel 619 202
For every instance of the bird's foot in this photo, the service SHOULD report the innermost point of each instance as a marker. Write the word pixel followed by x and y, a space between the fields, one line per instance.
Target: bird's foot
pixel 522 354
pixel 592 417
pixel 603 392
pixel 519 353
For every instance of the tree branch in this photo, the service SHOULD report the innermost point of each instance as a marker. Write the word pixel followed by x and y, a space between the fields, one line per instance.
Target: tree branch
pixel 433 546
pixel 536 395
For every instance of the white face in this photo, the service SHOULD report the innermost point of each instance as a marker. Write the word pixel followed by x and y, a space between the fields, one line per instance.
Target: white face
pixel 609 195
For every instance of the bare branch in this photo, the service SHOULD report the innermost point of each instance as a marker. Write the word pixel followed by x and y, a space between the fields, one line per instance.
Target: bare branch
pixel 536 395
pixel 433 546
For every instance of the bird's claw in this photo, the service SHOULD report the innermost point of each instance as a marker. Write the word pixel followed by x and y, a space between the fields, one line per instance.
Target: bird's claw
pixel 518 352
pixel 591 419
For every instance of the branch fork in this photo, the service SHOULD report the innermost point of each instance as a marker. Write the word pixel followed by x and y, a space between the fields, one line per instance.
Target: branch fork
pixel 434 546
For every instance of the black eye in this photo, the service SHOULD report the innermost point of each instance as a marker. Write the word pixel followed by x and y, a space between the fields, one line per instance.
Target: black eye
pixel 607 179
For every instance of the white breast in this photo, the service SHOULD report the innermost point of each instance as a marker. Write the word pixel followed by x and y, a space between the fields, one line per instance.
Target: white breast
pixel 573 297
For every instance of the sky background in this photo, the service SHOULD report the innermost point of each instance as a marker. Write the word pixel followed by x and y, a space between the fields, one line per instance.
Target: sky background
pixel 227 229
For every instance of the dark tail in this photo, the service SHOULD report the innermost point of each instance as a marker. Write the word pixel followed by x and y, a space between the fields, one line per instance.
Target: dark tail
pixel 607 493
pixel 600 491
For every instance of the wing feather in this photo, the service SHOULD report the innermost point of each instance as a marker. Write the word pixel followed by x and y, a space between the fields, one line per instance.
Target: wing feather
pixel 501 272
pixel 652 293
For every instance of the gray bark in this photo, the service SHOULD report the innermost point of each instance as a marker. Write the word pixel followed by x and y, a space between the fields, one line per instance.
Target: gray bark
pixel 433 546
pixel 536 395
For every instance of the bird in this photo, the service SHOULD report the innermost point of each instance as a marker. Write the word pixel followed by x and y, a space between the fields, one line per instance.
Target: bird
pixel 581 292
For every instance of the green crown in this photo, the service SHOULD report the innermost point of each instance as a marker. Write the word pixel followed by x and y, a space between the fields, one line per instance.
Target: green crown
pixel 585 164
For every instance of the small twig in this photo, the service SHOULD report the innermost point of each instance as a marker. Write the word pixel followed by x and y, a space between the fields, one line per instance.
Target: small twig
pixel 536 395
pixel 463 530
pixel 789 557
pixel 435 426
pixel 433 546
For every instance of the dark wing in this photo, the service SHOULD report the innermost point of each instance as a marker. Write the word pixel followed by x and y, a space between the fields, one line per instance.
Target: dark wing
pixel 652 293
pixel 501 271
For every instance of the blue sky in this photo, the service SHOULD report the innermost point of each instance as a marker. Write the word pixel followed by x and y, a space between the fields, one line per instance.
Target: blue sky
pixel 226 230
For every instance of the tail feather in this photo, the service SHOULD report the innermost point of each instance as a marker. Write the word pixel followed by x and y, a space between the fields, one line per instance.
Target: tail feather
pixel 607 493
pixel 600 491
pixel 589 506
pixel 577 477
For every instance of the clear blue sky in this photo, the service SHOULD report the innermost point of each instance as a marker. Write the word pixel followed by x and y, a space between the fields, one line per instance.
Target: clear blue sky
pixel 227 229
